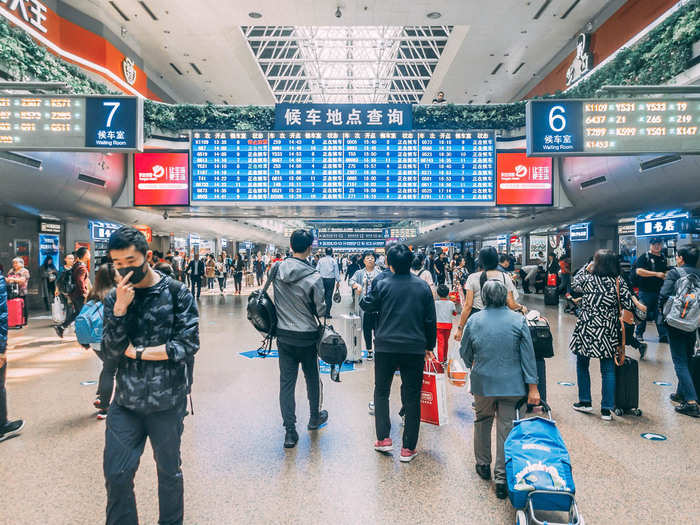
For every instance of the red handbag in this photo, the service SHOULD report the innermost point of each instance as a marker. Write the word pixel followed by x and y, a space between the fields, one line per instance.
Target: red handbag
pixel 552 279
pixel 454 297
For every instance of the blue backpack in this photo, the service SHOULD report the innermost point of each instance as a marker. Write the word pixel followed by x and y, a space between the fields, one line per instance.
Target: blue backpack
pixel 88 324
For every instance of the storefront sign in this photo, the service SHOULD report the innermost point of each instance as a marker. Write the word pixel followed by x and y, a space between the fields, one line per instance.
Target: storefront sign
pixel 31 11
pixel 523 180
pixel 580 232
pixel 351 117
pixel 662 223
pixel 49 227
pixel 538 247
pixel 101 231
pixel 48 247
pixel 146 230
pixel 626 229
pixel 161 178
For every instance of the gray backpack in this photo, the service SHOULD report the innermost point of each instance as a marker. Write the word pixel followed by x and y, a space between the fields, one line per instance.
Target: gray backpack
pixel 682 310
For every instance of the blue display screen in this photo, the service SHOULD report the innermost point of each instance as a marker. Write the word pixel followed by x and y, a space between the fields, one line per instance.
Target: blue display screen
pixel 229 166
pixel 111 122
pixel 554 127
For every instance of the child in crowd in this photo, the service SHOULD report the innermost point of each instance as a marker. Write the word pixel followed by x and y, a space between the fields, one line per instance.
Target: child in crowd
pixel 445 310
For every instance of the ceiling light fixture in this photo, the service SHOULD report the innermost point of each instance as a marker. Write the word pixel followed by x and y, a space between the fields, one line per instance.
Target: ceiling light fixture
pixel 434 15
pixel 255 15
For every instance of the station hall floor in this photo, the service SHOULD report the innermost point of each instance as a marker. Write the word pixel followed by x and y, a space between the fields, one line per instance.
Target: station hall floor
pixel 237 472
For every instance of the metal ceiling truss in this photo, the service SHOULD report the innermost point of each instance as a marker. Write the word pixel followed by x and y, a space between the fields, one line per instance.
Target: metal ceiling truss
pixel 347 64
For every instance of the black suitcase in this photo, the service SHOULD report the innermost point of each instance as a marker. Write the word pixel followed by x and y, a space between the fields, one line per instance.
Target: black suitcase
pixel 541 336
pixel 627 388
pixel 551 295
pixel 694 366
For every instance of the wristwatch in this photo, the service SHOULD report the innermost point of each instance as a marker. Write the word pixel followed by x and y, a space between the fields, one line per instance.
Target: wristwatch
pixel 139 352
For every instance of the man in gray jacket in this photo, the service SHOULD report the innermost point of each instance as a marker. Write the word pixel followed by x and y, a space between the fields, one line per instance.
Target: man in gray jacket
pixel 299 301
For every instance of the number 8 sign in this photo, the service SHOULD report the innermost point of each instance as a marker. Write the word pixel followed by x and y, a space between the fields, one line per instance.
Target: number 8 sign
pixel 554 127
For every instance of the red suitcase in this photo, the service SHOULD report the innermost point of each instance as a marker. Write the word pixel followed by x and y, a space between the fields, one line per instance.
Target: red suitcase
pixel 15 313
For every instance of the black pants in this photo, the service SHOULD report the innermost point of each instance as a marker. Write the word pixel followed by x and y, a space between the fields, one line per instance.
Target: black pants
pixel 125 439
pixel 259 277
pixel 196 282
pixel 73 308
pixel 411 368
pixel 630 338
pixel 328 287
pixel 441 278
pixel 238 280
pixel 368 320
pixel 222 283
pixel 3 396
pixel 105 385
pixel 289 359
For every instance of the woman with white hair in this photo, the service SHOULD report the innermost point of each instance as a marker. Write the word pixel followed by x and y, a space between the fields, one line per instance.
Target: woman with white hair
pixel 18 280
pixel 498 349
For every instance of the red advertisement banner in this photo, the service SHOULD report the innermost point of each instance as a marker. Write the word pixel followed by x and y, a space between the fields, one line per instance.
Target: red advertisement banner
pixel 161 179
pixel 523 181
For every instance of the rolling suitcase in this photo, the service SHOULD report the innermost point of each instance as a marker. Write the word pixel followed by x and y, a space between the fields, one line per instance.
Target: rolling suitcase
pixel 627 388
pixel 15 313
pixel 551 295
pixel 352 333
pixel 249 279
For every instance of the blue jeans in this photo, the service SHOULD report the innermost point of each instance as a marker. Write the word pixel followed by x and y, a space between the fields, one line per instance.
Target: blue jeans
pixel 651 301
pixel 682 348
pixel 607 372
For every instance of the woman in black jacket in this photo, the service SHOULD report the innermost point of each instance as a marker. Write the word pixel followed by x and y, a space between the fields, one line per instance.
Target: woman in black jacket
pixel 238 272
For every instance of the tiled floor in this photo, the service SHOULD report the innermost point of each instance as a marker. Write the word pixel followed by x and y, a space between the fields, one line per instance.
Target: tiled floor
pixel 236 470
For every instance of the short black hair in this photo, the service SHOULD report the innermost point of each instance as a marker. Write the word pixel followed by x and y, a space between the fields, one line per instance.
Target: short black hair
pixel 164 268
pixel 689 253
pixel 367 253
pixel 400 258
pixel 417 264
pixel 488 258
pixel 300 241
pixel 127 236
pixel 329 251
pixel 606 264
pixel 80 252
pixel 503 258
pixel 442 290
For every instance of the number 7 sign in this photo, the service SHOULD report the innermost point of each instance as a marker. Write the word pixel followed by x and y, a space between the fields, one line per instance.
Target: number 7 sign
pixel 115 107
pixel 114 123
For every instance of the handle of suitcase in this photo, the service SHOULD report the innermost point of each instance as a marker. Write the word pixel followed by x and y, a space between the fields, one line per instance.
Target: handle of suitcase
pixel 542 404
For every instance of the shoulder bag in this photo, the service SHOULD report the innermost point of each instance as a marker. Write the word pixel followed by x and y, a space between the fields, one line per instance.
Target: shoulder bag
pixel 620 355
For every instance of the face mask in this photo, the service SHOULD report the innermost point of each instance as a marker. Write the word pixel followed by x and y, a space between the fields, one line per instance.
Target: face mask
pixel 138 275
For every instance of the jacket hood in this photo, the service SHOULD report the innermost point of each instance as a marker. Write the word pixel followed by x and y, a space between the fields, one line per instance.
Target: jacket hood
pixel 292 270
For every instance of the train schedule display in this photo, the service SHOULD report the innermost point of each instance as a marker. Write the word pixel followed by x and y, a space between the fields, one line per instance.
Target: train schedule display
pixel 326 167
pixel 613 127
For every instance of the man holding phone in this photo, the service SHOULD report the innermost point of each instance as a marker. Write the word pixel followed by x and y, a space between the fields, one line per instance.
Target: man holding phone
pixel 151 333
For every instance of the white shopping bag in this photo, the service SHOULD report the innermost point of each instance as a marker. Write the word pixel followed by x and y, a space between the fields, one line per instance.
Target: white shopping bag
pixel 456 369
pixel 58 311
pixel 433 395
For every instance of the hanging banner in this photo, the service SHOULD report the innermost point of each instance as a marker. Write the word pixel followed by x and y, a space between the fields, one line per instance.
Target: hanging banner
pixel 48 247
pixel 343 117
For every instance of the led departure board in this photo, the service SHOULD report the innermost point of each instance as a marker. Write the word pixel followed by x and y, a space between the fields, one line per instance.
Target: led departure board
pixel 71 123
pixel 426 166
pixel 613 127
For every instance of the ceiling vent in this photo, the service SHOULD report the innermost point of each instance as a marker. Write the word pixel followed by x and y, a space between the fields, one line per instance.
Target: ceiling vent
pixel 657 162
pixel 539 12
pixel 91 180
pixel 495 69
pixel 20 159
pixel 148 10
pixel 571 8
pixel 121 13
pixel 175 68
pixel 593 182
pixel 515 72
pixel 195 68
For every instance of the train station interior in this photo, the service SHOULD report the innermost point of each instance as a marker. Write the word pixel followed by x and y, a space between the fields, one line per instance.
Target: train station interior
pixel 446 206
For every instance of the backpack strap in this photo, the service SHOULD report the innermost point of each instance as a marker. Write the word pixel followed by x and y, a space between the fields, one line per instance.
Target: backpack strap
pixel 174 287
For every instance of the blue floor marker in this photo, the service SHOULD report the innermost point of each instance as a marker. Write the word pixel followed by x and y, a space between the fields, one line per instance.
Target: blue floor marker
pixel 662 383
pixel 324 367
pixel 651 436
pixel 566 383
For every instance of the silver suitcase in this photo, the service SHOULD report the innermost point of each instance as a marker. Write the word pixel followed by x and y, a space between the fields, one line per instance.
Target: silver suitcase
pixel 352 334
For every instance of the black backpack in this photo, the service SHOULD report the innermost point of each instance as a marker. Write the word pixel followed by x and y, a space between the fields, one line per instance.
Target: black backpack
pixel 332 349
pixel 65 283
pixel 263 314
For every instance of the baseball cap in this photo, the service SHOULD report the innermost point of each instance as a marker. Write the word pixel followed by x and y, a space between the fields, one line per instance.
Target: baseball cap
pixel 656 240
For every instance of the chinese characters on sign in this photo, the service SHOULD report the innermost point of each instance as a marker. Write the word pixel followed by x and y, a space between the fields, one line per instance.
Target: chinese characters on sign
pixel 31 11
pixel 663 223
pixel 100 230
pixel 161 178
pixel 351 166
pixel 580 232
pixel 522 180
pixel 343 117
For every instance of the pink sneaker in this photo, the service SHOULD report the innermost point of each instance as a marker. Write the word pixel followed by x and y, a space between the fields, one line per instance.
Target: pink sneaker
pixel 407 455
pixel 385 445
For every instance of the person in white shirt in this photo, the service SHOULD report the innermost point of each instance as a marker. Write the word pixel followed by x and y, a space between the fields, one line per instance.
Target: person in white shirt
pixel 361 282
pixel 330 273
pixel 445 311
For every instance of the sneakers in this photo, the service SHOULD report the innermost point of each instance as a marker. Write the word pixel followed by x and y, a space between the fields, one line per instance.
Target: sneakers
pixel 484 471
pixel 11 428
pixel 370 355
pixel 689 409
pixel 407 455
pixel 501 490
pixel 605 414
pixel 59 331
pixel 583 407
pixel 642 351
pixel 317 422
pixel 290 438
pixel 370 408
pixel 385 445
pixel 639 338
pixel 677 398
pixel 102 414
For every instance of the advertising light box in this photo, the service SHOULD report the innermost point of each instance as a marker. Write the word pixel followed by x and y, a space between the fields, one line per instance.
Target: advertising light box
pixel 71 123
pixel 613 127
pixel 523 181
pixel 580 232
pixel 432 167
pixel 161 178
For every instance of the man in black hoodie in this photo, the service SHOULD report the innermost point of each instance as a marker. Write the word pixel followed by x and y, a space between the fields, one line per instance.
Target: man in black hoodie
pixel 299 301
pixel 404 338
